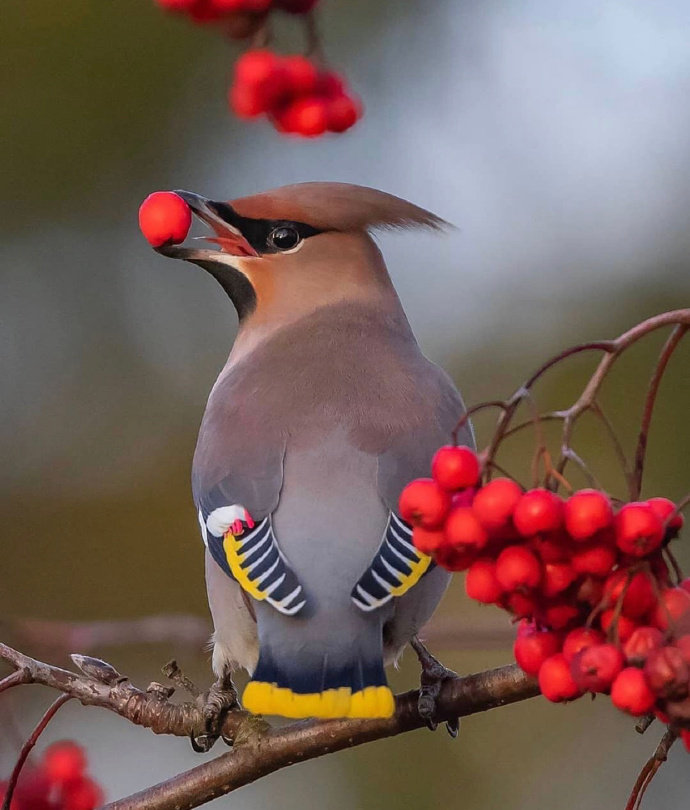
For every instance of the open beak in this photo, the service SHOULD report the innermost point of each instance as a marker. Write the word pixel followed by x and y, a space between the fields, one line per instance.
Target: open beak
pixel 228 237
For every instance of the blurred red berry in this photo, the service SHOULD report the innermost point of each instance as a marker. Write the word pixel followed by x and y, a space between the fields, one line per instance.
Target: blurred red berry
pixel 164 218
pixel 517 568
pixel 683 644
pixel 685 585
pixel 667 673
pixel 630 692
pixel 586 513
pixel 424 503
pixel 532 647
pixel 538 511
pixel 463 530
pixel 639 597
pixel 427 540
pixel 557 578
pixel 672 611
pixel 595 668
pixel 85 794
pixel 685 738
pixel 260 76
pixel 481 583
pixel 639 529
pixel 597 559
pixel 641 642
pixel 342 112
pixel 664 508
pixel 330 85
pixel 245 102
pixel 495 503
pixel 455 468
pixel 301 74
pixel 579 639
pixel 555 681
pixel 64 761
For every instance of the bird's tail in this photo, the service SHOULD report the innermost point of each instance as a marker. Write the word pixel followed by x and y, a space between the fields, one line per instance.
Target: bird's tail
pixel 355 688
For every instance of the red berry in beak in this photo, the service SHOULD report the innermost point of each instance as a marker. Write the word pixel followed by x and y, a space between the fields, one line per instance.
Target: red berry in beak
pixel 164 218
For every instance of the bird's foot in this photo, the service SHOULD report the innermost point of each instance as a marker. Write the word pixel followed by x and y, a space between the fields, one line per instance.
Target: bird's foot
pixel 432 678
pixel 220 699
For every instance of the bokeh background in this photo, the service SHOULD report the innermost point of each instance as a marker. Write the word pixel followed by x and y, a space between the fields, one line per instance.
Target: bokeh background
pixel 553 133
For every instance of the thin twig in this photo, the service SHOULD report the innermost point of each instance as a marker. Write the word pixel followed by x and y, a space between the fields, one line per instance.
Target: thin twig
pixel 29 744
pixel 651 767
pixel 650 400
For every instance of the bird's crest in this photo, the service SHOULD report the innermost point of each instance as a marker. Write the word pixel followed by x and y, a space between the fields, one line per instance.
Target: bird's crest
pixel 337 207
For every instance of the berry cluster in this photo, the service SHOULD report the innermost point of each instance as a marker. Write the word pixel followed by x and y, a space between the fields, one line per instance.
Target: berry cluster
pixel 298 97
pixel 588 581
pixel 59 781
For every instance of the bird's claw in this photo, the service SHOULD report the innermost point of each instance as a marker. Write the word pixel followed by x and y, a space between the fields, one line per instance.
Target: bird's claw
pixel 431 681
pixel 220 699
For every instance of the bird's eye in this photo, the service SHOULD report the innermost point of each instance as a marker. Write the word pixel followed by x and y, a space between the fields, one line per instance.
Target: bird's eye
pixel 284 238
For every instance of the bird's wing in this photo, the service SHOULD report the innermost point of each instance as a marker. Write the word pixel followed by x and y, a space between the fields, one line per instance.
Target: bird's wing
pixel 397 565
pixel 236 483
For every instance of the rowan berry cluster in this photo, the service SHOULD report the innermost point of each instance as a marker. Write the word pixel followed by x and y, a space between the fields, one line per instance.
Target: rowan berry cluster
pixel 587 580
pixel 296 94
pixel 58 781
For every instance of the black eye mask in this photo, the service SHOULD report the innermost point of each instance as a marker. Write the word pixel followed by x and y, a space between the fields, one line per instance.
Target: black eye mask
pixel 265 235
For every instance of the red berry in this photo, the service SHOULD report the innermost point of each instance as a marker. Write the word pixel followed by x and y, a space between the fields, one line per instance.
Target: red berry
pixel 561 615
pixel 683 644
pixel 455 468
pixel 639 529
pixel 308 116
pixel 642 641
pixel 424 503
pixel 667 673
pixel 594 668
pixel 518 568
pixel 557 577
pixel 520 605
pixel 685 585
pixel 260 74
pixel 639 594
pixel 555 681
pixel 85 794
pixel 672 611
pixel 594 558
pixel 330 85
pixel 463 530
pixel 427 540
pixel 481 583
pixel 455 559
pixel 537 511
pixel 342 113
pixel 664 509
pixel 64 761
pixel 532 647
pixel 550 547
pixel 630 692
pixel 624 625
pixel 586 513
pixel 245 102
pixel 301 74
pixel 495 503
pixel 164 218
pixel 580 639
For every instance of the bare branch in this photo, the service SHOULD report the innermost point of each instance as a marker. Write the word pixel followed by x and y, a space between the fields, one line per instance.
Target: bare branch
pixel 257 754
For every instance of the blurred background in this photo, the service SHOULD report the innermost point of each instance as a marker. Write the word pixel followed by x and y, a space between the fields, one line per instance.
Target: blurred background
pixel 553 133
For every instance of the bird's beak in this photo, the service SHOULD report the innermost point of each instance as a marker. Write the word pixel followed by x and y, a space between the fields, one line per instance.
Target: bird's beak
pixel 217 216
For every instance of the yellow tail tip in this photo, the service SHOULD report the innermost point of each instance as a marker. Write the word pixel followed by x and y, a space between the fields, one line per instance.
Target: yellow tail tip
pixel 266 698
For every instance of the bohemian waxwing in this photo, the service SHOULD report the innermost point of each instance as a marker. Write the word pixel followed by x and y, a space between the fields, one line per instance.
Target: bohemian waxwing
pixel 323 412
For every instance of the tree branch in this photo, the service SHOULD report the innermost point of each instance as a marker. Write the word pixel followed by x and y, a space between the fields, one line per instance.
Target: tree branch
pixel 257 753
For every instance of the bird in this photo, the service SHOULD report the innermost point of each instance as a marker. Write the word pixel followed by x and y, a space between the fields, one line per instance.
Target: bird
pixel 325 409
